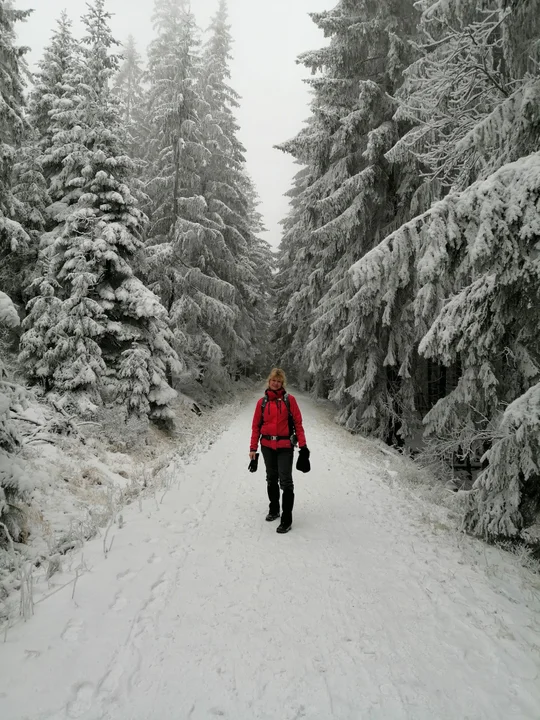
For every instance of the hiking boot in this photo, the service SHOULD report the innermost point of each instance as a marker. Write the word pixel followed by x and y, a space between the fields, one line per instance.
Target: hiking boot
pixel 283 528
pixel 272 516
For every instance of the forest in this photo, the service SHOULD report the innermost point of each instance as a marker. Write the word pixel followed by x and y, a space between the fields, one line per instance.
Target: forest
pixel 406 288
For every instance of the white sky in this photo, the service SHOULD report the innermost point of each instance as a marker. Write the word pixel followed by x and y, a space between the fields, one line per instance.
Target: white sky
pixel 268 38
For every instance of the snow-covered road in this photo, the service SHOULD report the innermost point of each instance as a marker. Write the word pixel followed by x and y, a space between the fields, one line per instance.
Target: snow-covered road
pixel 363 611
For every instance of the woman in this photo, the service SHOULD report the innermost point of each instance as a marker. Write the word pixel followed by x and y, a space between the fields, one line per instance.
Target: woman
pixel 277 417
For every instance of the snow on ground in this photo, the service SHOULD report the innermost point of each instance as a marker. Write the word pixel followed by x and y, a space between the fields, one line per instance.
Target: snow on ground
pixel 368 609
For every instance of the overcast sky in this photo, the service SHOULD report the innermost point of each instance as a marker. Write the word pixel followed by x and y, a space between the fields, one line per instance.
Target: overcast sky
pixel 268 38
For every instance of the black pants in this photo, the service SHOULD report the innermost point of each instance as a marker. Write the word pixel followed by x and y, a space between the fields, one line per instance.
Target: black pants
pixel 279 474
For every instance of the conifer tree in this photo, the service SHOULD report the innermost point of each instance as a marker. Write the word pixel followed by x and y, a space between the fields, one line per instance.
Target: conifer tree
pixel 173 146
pixel 128 82
pixel 36 167
pixel 128 87
pixel 14 482
pixel 350 199
pixel 202 248
pixel 297 286
pixel 54 67
pixel 106 313
pixel 488 123
pixel 15 246
pixel 463 78
pixel 229 196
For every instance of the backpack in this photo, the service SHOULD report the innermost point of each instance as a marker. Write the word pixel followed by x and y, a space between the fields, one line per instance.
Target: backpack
pixel 292 431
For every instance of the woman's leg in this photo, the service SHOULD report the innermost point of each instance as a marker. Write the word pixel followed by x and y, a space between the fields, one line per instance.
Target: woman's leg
pixel 285 463
pixel 272 478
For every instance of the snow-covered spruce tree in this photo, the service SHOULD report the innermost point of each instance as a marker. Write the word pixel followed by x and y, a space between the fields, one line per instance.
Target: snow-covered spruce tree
pixel 228 194
pixel 260 295
pixel 15 245
pixel 506 496
pixel 51 91
pixel 464 76
pixel 109 335
pixel 191 260
pixel 463 281
pixel 53 69
pixel 351 197
pixel 296 286
pixel 173 148
pixel 14 482
pixel 128 87
pixel 391 342
pixel 174 154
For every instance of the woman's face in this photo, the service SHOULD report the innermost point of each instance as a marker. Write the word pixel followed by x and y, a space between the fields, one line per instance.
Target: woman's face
pixel 275 383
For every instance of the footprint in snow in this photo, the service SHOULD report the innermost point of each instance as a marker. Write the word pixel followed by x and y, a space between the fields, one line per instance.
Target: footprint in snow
pixel 72 631
pixel 125 575
pixel 81 703
pixel 119 603
pixel 157 584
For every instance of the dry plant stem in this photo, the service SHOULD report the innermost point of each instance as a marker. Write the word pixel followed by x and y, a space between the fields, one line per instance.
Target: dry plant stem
pixel 27 589
pixel 25 577
pixel 105 548
pixel 75 583
pixel 112 518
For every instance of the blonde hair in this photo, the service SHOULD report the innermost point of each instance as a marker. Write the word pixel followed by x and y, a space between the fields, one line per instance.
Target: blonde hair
pixel 278 374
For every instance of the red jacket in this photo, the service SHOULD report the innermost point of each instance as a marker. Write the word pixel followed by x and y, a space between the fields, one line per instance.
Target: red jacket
pixel 276 421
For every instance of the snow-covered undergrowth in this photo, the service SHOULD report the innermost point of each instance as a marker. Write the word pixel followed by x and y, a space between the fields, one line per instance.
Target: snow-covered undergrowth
pixel 441 497
pixel 81 476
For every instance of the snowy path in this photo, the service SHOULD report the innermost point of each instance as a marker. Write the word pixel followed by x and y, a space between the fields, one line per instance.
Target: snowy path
pixel 202 611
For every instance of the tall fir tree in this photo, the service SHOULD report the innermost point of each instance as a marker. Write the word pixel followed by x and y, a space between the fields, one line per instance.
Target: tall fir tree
pixel 350 199
pixel 229 196
pixel 298 286
pixel 108 335
pixel 15 482
pixel 200 229
pixel 15 245
pixel 129 89
pixel 128 85
pixel 459 283
pixel 53 69
pixel 14 250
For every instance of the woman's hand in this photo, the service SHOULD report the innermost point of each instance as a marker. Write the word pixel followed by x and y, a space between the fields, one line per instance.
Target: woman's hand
pixel 252 455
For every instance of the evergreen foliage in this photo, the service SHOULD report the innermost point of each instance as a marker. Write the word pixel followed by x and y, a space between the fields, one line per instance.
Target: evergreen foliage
pixel 349 200
pixel 14 484
pixel 411 242
pixel 202 251
pixel 506 495
pixel 53 69
pixel 14 241
pixel 128 83
pixel 93 313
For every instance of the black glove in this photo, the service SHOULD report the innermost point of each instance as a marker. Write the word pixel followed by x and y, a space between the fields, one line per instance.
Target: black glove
pixel 252 467
pixel 303 463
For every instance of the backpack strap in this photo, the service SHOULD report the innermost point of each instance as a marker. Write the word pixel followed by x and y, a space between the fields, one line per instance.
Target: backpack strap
pixel 292 431
pixel 264 401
